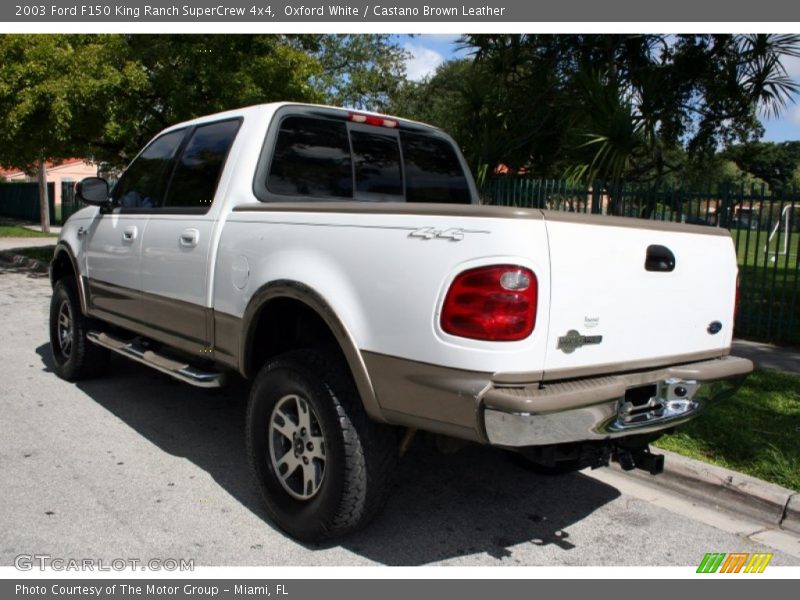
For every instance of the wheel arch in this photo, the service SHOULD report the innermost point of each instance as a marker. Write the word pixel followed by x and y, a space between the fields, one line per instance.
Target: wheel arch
pixel 64 264
pixel 271 301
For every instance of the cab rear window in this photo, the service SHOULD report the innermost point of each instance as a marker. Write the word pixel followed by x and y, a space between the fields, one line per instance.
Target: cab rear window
pixel 319 158
pixel 311 158
pixel 433 171
pixel 377 166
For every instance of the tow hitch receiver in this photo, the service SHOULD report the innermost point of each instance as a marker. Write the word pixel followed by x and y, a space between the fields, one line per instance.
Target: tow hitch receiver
pixel 640 459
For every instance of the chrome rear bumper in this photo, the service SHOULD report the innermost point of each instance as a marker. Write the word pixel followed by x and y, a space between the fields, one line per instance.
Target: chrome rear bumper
pixel 608 407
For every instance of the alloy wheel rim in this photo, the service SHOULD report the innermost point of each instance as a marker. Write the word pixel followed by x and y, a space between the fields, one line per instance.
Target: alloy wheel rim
pixel 296 447
pixel 64 329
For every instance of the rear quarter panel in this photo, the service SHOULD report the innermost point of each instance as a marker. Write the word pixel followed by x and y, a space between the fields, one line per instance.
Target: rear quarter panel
pixel 385 284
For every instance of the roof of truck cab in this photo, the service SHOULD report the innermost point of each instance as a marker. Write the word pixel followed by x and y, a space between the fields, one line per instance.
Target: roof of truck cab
pixel 269 109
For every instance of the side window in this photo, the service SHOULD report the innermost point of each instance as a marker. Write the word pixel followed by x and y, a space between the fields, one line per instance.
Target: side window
pixel 377 166
pixel 197 172
pixel 311 158
pixel 433 171
pixel 144 181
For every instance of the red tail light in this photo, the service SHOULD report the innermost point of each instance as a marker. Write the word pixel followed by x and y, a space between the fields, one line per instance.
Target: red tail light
pixel 496 303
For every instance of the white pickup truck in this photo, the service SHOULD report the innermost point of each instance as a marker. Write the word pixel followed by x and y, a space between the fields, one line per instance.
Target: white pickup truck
pixel 342 262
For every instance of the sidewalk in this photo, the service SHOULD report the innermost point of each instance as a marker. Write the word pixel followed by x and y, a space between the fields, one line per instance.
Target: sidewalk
pixel 769 357
pixel 7 243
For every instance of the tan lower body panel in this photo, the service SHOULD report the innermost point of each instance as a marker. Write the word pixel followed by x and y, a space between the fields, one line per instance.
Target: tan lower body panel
pixel 114 300
pixel 227 339
pixel 429 397
pixel 179 324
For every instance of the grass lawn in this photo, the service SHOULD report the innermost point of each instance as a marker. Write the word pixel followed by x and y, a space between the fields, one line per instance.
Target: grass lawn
pixel 42 253
pixel 751 246
pixel 7 230
pixel 756 432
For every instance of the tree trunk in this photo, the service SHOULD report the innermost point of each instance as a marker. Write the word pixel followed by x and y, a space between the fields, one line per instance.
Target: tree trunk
pixel 44 202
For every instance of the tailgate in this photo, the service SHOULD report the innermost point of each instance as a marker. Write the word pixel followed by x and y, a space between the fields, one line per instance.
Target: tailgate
pixel 617 303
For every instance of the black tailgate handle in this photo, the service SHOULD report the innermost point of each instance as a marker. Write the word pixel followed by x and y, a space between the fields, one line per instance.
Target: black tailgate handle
pixel 659 258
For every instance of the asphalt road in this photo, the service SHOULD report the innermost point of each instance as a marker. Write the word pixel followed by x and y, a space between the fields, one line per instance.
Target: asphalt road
pixel 138 466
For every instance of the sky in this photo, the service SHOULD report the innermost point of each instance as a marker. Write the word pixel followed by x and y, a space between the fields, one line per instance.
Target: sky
pixel 429 51
pixel 787 127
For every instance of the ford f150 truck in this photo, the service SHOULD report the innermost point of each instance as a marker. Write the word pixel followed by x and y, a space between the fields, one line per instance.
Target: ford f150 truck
pixel 342 261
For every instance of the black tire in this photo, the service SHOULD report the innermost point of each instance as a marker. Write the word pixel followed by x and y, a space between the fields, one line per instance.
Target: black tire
pixel 341 490
pixel 74 356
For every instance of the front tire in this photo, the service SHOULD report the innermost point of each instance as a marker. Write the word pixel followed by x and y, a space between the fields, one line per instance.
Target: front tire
pixel 74 356
pixel 322 465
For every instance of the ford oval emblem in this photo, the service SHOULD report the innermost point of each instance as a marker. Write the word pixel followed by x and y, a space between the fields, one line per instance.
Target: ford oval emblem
pixel 714 327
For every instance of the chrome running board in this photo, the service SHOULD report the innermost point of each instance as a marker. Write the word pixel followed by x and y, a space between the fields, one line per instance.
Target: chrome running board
pixel 175 368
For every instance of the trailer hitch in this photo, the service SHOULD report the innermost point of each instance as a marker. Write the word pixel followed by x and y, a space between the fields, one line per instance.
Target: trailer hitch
pixel 640 458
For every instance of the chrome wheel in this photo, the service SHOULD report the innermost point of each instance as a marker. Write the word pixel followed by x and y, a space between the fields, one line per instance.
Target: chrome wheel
pixel 64 329
pixel 296 447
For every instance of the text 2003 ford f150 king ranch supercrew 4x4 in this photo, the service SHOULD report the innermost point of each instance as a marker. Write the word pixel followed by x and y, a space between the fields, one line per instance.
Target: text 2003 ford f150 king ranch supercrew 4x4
pixel 342 262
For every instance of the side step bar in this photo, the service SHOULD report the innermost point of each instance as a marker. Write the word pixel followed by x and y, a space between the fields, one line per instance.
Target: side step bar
pixel 177 369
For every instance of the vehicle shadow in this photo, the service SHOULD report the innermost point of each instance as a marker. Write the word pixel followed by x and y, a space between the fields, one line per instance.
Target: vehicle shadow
pixel 22 269
pixel 442 506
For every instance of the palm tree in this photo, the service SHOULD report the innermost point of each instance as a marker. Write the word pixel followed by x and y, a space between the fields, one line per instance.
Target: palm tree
pixel 697 92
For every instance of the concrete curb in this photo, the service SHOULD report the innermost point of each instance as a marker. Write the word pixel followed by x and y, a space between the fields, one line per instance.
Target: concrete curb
pixel 23 262
pixel 729 490
pixel 791 515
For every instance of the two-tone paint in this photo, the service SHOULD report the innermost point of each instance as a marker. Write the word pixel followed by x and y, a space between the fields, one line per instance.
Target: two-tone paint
pixel 377 275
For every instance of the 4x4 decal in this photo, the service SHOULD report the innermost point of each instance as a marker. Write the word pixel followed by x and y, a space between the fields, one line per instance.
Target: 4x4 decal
pixel 454 234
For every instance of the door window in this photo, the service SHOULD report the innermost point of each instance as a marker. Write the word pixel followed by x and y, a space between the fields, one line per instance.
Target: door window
pixel 143 184
pixel 199 167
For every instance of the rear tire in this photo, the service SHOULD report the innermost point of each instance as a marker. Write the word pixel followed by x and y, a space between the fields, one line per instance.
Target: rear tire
pixel 322 465
pixel 74 356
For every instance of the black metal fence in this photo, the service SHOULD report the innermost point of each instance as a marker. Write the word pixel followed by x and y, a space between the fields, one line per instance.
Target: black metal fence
pixel 21 201
pixel 765 228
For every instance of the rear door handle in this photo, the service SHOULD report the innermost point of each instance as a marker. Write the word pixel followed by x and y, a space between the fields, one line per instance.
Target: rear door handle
pixel 659 259
pixel 189 238
pixel 130 233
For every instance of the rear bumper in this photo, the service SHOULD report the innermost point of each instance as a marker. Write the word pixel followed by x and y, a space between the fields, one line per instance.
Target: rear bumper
pixel 602 408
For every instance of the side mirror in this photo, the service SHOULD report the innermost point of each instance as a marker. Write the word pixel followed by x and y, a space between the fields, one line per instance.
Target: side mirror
pixel 92 190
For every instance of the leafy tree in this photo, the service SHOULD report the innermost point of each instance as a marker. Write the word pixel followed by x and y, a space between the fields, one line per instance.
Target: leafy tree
pixel 171 78
pixel 495 120
pixel 614 107
pixel 776 164
pixel 361 71
pixel 178 77
pixel 105 96
pixel 40 111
